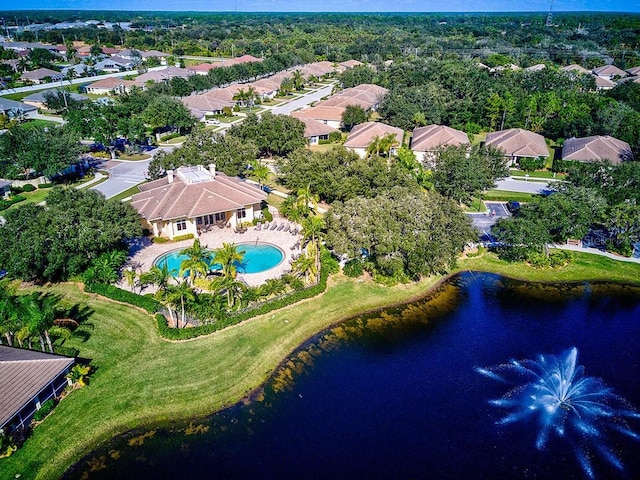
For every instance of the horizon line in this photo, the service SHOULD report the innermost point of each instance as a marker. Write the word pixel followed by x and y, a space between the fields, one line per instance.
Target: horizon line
pixel 71 9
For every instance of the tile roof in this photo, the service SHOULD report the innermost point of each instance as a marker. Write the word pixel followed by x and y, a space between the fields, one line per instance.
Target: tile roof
pixel 40 96
pixel 362 135
pixel 7 104
pixel 602 82
pixel 112 82
pixel 161 200
pixel 429 138
pixel 204 103
pixel 164 74
pixel 314 128
pixel 609 70
pixel 575 68
pixel 365 95
pixel 23 373
pixel 333 114
pixel 351 63
pixel 634 71
pixel 535 68
pixel 40 73
pixel 596 148
pixel 519 143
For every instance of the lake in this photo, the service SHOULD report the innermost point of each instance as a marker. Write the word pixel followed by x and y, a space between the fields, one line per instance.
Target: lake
pixel 452 386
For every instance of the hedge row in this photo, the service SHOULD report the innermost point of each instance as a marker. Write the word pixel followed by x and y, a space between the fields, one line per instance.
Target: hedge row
pixel 277 304
pixel 149 304
pixel 4 204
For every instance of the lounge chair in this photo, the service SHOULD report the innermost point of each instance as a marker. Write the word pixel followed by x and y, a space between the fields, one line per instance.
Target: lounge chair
pixel 258 226
pixel 266 225
pixel 280 227
pixel 274 225
pixel 287 227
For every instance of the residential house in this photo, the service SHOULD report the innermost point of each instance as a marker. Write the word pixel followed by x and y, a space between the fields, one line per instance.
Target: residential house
pixel 38 100
pixel 5 189
pixel 535 68
pixel 314 131
pixel 79 70
pixel 110 86
pixel 41 75
pixel 201 105
pixel 12 62
pixel 367 96
pixel 363 135
pixel 202 68
pixel 114 64
pixel 426 140
pixel 111 51
pixel 161 56
pixel 13 108
pixel 603 83
pixel 517 143
pixel 635 71
pixel 575 68
pixel 596 149
pixel 193 199
pixel 609 72
pixel 331 116
pixel 164 75
pixel 28 379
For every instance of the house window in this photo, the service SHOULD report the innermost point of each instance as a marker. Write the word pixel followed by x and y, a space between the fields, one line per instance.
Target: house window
pixel 181 225
pixel 221 217
pixel 242 213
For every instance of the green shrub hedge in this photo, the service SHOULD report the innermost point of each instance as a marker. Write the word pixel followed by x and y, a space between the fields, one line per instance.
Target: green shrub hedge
pixel 45 185
pixel 45 409
pixel 150 304
pixel 185 333
pixel 4 204
pixel 187 236
pixel 66 351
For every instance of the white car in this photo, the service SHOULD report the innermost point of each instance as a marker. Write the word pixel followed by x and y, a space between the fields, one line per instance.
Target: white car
pixel 212 121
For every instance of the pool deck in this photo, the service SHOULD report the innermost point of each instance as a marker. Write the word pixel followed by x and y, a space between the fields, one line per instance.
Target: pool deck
pixel 143 259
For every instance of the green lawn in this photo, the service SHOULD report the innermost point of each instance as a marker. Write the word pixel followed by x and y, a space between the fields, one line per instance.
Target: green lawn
pixel 37 196
pixel 127 193
pixel 505 196
pixel 141 379
pixel 134 156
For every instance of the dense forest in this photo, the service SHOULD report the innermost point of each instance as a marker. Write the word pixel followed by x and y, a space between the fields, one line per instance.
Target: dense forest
pixel 588 38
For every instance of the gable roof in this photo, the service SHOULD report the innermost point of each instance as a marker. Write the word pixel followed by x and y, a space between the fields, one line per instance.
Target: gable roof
pixel 351 63
pixel 200 104
pixel 431 137
pixel 517 142
pixel 596 148
pixel 7 104
pixel 366 96
pixel 164 74
pixel 535 68
pixel 23 374
pixel 39 97
pixel 362 135
pixel 111 83
pixel 634 71
pixel 602 82
pixel 164 200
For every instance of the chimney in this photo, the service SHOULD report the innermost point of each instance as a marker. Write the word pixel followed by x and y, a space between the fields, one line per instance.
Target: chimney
pixel 212 170
pixel 170 175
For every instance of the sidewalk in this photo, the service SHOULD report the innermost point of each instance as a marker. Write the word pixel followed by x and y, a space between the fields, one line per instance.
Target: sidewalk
pixel 595 251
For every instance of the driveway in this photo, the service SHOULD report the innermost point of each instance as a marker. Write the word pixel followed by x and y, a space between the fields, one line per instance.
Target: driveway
pixel 484 221
pixel 522 186
pixel 303 101
pixel 122 175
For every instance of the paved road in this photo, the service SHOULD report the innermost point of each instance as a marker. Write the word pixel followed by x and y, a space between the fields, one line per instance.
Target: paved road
pixel 522 186
pixel 75 81
pixel 303 101
pixel 484 221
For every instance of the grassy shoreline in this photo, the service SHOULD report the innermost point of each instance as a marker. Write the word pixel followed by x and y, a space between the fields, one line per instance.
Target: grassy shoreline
pixel 142 379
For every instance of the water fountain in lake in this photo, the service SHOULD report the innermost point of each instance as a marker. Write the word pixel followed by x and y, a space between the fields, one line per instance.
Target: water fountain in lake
pixel 554 392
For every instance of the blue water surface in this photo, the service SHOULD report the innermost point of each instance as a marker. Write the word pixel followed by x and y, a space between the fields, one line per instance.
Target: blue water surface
pixel 398 396
pixel 258 257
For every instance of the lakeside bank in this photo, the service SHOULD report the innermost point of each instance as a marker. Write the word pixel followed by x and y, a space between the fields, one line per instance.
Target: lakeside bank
pixel 140 379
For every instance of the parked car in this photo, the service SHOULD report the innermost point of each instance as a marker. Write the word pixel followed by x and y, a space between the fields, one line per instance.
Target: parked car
pixel 513 206
pixel 266 188
pixel 212 121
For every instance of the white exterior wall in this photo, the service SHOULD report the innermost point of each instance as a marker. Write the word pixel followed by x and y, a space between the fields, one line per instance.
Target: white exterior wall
pixel 362 152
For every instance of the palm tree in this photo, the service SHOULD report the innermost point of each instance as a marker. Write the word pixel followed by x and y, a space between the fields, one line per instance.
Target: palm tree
pixel 130 276
pixel 382 145
pixel 179 293
pixel 307 199
pixel 158 276
pixel 241 97
pixel 252 96
pixel 286 86
pixel 10 320
pixel 272 287
pixel 298 80
pixel 39 312
pixel 228 257
pixel 311 232
pixel 306 266
pixel 261 172
pixel 197 263
pixel 232 288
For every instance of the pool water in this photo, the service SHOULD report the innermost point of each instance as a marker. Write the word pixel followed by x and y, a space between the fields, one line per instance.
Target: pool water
pixel 258 257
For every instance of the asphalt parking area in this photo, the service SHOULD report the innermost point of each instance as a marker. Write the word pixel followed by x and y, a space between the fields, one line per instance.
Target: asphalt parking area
pixel 484 221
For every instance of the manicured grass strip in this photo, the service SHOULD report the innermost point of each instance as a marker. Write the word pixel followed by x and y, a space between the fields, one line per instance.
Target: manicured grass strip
pixel 505 196
pixel 127 193
pixel 141 379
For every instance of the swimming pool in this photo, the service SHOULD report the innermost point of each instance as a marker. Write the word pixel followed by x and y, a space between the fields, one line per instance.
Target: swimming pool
pixel 258 257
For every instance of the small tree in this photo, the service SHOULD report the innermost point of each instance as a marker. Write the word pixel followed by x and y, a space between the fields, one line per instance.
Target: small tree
pixel 353 115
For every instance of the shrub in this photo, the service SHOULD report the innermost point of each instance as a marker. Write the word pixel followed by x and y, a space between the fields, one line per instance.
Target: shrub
pixel 159 239
pixel 623 248
pixel 45 185
pixel 353 268
pixel 179 238
pixel 147 303
pixel 45 409
pixel 4 204
pixel 171 136
pixel 276 304
pixel 335 137
pixel 15 190
pixel 28 188
pixel 267 215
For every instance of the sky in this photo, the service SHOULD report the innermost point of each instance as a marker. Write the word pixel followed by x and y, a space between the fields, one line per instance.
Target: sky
pixel 327 5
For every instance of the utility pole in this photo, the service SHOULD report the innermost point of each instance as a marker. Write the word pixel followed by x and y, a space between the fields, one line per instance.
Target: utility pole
pixel 549 22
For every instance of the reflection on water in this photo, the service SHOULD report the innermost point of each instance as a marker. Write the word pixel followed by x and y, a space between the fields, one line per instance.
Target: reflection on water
pixel 396 395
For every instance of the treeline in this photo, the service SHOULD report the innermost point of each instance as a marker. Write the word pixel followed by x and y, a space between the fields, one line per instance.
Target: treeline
pixel 577 37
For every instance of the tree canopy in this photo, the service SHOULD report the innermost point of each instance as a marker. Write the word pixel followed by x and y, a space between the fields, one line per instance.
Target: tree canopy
pixel 60 240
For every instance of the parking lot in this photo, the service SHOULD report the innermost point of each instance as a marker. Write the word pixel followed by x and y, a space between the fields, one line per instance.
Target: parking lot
pixel 484 221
